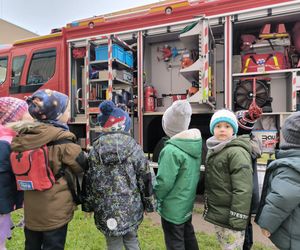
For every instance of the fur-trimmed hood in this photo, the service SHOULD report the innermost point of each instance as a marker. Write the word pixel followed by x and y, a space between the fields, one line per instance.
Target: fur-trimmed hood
pixel 188 141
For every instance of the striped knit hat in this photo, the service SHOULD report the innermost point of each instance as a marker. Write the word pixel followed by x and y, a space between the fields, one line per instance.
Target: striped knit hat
pixel 12 109
pixel 223 115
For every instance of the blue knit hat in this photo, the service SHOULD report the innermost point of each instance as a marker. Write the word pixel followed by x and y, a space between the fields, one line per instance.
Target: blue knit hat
pixel 112 118
pixel 47 105
pixel 223 115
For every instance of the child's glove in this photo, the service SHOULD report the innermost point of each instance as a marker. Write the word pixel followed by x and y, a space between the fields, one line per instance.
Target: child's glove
pixel 265 232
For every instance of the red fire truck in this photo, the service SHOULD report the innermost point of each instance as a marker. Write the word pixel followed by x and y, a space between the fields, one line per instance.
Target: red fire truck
pixel 208 51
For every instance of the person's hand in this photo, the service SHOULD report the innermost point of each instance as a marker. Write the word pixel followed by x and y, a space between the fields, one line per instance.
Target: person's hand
pixel 265 232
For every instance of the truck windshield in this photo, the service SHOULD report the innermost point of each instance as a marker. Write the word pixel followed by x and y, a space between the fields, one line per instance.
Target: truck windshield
pixel 42 67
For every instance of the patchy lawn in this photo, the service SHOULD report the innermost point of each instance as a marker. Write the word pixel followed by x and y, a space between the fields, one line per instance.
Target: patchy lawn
pixel 82 234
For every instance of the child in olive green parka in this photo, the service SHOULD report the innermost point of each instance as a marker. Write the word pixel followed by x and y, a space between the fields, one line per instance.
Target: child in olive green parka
pixel 228 180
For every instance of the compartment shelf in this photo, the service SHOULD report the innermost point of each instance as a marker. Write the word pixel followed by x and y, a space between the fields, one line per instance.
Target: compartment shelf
pixel 116 80
pixel 103 64
pixel 194 98
pixel 195 111
pixel 191 37
pixel 279 42
pixel 266 72
pixel 191 73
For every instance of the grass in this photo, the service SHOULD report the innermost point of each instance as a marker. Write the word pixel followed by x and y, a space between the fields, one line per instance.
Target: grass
pixel 82 234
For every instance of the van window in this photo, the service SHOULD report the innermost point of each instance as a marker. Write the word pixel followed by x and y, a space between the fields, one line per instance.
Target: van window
pixel 3 69
pixel 17 68
pixel 42 67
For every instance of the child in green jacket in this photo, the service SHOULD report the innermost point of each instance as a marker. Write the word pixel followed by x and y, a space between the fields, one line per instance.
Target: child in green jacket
pixel 178 175
pixel 228 180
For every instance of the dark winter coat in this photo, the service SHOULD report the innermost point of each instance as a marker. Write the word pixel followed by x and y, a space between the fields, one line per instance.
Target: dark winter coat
pixel 10 198
pixel 228 185
pixel 118 184
pixel 53 208
pixel 279 211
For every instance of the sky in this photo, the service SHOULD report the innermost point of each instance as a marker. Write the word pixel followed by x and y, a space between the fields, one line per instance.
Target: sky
pixel 40 16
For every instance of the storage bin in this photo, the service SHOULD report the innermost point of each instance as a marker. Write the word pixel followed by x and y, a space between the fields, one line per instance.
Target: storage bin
pixel 117 52
pixel 268 139
pixel 123 75
pixel 129 58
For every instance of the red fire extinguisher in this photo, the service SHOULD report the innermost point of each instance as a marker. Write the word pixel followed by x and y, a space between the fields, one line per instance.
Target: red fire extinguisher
pixel 149 98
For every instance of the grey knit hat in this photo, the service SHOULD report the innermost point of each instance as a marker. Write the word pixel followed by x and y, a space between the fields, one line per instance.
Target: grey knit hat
pixel 177 117
pixel 291 132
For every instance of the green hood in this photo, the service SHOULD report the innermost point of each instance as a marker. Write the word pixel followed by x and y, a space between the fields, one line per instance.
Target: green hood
pixel 190 146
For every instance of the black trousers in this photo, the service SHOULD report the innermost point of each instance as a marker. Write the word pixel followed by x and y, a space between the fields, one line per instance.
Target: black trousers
pixel 47 240
pixel 248 242
pixel 179 237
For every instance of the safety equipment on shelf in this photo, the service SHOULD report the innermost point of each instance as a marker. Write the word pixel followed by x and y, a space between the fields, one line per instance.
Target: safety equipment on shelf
pixel 266 32
pixel 150 95
pixel 244 94
pixel 186 60
pixel 247 40
pixel 78 53
pixel 193 89
pixel 263 62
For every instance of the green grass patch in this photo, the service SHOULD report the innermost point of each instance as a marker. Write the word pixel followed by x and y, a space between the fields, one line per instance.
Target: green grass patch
pixel 82 234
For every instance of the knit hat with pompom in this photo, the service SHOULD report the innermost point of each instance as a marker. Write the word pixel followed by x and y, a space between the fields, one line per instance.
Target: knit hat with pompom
pixel 112 118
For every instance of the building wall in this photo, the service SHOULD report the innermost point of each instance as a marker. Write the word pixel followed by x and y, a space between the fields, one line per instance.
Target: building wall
pixel 9 32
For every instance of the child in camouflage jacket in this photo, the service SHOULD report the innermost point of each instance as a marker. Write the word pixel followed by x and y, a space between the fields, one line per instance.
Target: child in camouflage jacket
pixel 118 182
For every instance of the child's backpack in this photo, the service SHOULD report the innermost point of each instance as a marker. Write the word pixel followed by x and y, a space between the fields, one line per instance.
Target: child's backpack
pixel 32 169
pixel 33 172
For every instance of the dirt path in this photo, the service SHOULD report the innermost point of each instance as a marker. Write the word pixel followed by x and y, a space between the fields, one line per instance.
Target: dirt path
pixel 200 225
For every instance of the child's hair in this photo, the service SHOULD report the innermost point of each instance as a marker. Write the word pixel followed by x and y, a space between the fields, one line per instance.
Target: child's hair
pixel 223 115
